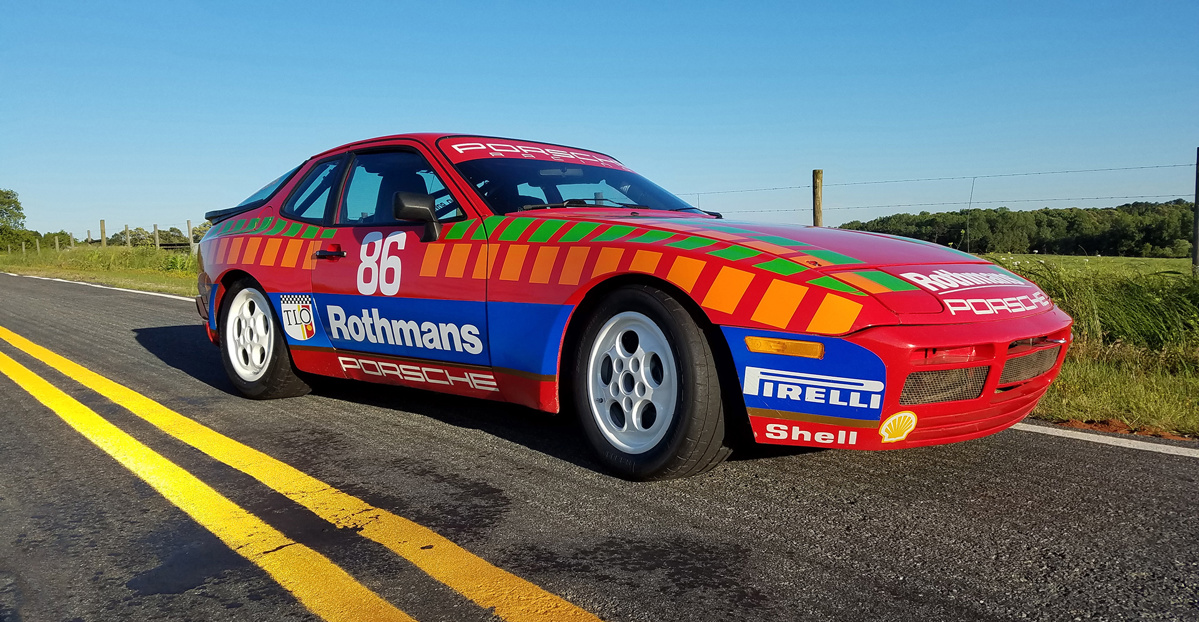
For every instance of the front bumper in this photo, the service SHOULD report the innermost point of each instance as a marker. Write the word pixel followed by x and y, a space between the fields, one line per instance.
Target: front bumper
pixel 844 413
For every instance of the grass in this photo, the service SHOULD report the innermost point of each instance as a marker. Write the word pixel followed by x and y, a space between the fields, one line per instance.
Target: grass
pixel 1136 353
pixel 144 268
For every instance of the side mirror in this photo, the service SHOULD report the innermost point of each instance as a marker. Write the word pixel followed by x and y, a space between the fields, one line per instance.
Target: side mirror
pixel 418 207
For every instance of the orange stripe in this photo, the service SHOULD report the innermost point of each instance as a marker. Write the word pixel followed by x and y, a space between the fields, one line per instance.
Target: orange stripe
pixel 835 315
pixel 432 260
pixel 766 246
pixel 291 253
pixel 513 262
pixel 251 250
pixel 572 268
pixel 779 303
pixel 458 257
pixel 727 289
pixel 543 268
pixel 608 261
pixel 222 245
pixel 310 255
pixel 270 251
pixel 685 272
pixel 862 282
pixel 493 251
pixel 234 251
pixel 645 261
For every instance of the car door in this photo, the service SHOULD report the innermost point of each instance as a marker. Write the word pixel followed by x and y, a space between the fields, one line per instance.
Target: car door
pixel 384 293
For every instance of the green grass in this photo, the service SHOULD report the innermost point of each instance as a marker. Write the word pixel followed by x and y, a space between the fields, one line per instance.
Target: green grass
pixel 143 268
pixel 1136 354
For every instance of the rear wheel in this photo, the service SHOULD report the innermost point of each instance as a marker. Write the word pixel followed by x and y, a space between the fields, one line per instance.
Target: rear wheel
pixel 253 349
pixel 646 387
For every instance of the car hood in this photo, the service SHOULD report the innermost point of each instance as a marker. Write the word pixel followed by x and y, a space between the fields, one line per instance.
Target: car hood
pixel 913 282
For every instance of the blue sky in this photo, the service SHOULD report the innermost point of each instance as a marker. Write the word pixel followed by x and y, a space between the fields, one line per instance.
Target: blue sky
pixel 157 112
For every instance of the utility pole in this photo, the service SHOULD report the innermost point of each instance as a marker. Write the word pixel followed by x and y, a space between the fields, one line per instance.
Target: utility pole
pixel 1195 236
pixel 103 236
pixel 817 192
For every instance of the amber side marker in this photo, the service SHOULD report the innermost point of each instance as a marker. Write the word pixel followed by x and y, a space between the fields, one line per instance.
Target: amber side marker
pixel 788 347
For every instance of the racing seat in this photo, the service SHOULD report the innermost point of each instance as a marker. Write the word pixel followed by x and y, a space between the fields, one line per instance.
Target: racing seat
pixel 397 181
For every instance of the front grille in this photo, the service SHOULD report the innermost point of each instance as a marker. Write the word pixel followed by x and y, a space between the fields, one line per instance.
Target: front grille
pixel 1029 366
pixel 946 385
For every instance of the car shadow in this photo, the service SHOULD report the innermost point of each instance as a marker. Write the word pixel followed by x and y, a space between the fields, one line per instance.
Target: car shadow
pixel 187 349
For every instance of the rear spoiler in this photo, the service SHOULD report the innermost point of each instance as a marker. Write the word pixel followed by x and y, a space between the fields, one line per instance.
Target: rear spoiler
pixel 216 216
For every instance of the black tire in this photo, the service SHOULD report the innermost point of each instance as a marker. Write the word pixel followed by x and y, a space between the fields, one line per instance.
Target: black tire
pixel 278 377
pixel 693 439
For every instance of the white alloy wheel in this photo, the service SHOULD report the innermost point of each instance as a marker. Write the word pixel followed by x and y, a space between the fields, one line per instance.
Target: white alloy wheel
pixel 249 336
pixel 632 382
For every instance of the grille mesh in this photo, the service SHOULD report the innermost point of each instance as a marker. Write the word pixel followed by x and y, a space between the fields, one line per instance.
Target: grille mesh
pixel 947 385
pixel 1029 366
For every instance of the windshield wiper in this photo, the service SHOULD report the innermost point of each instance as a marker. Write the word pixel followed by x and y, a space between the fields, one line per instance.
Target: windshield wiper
pixel 584 203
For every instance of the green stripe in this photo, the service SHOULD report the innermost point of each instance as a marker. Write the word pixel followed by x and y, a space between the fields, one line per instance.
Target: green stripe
pixel 293 229
pixel 578 232
pixel 651 237
pixel 328 233
pixel 310 232
pixel 547 230
pixel 279 225
pixel 691 243
pixel 515 229
pixel 735 253
pixel 893 283
pixel 829 282
pixel 266 222
pixel 781 266
pixel 614 232
pixel 490 224
pixel 833 257
pixel 458 229
pixel 241 224
pixel 251 226
pixel 774 239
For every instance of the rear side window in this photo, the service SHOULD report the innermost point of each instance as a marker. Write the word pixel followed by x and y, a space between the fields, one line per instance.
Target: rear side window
pixel 375 178
pixel 316 194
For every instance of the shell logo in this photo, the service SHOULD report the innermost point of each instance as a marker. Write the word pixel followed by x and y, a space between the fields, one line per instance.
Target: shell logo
pixel 897 426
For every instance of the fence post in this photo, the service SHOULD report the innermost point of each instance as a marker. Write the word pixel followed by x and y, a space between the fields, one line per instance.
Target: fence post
pixel 37 243
pixel 22 249
pixel 156 244
pixel 191 242
pixel 56 248
pixel 72 240
pixel 1195 237
pixel 817 197
pixel 128 242
pixel 103 236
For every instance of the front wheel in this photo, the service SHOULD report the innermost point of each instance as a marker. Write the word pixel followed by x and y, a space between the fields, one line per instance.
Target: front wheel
pixel 646 387
pixel 253 349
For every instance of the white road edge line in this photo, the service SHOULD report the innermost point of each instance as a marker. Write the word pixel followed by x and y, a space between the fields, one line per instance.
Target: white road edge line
pixel 119 289
pixel 1108 440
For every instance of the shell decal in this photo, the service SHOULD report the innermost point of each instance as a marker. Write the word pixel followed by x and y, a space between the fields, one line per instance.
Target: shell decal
pixel 897 426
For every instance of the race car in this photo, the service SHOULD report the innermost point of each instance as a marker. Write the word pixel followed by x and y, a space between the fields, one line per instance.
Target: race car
pixel 557 278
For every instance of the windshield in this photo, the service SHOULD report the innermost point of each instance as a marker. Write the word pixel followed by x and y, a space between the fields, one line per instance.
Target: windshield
pixel 509 185
pixel 269 189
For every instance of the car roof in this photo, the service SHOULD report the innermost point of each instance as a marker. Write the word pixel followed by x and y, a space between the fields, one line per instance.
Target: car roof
pixel 431 138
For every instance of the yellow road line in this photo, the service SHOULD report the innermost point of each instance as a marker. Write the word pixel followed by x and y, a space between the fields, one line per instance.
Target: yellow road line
pixel 315 581
pixel 512 598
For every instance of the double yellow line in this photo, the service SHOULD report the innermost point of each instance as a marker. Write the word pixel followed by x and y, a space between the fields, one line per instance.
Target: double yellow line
pixel 313 579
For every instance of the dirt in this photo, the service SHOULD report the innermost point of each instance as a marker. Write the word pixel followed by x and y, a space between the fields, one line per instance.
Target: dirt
pixel 1119 427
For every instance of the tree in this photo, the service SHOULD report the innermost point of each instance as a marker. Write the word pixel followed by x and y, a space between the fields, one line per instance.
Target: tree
pixel 11 214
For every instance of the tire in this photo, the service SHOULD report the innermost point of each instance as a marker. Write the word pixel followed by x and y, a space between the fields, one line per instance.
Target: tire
pixel 253 349
pixel 646 387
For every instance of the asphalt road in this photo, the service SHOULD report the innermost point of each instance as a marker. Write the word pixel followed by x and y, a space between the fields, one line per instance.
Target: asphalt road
pixel 1015 526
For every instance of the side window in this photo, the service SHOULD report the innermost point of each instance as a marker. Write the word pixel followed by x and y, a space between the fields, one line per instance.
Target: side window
pixel 315 194
pixel 377 176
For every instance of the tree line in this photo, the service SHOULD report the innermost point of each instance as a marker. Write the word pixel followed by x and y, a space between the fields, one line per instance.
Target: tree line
pixel 1132 230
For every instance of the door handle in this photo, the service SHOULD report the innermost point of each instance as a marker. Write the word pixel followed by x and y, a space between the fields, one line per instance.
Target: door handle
pixel 329 254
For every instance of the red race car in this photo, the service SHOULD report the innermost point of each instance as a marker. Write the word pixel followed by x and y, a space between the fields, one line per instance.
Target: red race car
pixel 535 273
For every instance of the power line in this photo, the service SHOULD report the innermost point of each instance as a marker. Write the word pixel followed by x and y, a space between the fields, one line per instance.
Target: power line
pixel 959 177
pixel 1141 196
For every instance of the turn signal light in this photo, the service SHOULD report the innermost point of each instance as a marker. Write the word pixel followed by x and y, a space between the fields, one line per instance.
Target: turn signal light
pixel 789 347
